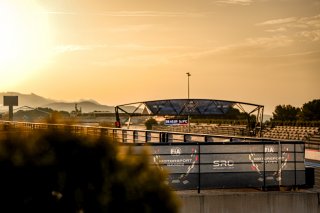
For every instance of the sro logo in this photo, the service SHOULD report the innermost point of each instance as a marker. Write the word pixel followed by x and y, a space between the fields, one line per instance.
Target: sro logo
pixel 223 163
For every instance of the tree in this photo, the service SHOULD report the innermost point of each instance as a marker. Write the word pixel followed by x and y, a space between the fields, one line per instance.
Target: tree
pixel 39 114
pixel 311 110
pixel 150 122
pixel 57 171
pixel 285 113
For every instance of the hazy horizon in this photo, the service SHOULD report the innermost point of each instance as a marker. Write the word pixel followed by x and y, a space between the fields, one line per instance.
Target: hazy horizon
pixel 120 51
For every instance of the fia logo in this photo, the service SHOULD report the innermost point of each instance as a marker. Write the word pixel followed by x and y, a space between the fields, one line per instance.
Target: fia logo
pixel 269 149
pixel 175 151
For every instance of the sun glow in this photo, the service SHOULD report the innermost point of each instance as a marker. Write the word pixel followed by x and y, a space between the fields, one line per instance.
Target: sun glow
pixel 24 40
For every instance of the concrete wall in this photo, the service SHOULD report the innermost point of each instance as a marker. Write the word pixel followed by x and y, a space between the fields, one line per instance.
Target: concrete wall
pixel 247 202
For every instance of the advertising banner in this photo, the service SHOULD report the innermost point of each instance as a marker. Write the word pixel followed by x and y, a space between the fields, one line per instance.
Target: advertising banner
pixel 223 165
pixel 169 122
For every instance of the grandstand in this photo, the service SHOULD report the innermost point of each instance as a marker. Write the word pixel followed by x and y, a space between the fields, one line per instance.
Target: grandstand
pixel 291 132
pixel 212 129
pixel 313 141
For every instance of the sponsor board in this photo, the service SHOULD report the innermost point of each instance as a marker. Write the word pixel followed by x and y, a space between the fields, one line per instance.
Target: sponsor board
pixel 235 165
pixel 169 122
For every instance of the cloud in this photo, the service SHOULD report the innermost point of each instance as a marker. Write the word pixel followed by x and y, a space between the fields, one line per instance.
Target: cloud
pixel 75 48
pixel 278 21
pixel 148 14
pixel 311 21
pixel 120 47
pixel 279 29
pixel 122 55
pixel 294 22
pixel 135 14
pixel 238 2
pixel 60 13
pixel 270 42
pixel 303 54
pixel 313 35
pixel 133 61
pixel 249 48
pixel 306 27
pixel 130 28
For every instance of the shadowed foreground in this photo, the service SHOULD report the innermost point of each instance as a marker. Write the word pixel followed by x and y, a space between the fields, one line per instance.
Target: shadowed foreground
pixel 56 171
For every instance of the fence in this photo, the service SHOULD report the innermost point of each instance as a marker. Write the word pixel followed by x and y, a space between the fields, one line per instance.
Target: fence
pixel 211 162
pixel 133 135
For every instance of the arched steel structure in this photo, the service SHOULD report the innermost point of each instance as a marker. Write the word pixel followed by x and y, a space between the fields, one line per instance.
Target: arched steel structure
pixel 189 107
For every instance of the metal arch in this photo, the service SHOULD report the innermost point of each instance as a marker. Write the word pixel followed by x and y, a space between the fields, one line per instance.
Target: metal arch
pixel 168 103
pixel 198 99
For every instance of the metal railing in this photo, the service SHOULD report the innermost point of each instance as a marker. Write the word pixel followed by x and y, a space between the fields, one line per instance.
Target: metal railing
pixel 133 135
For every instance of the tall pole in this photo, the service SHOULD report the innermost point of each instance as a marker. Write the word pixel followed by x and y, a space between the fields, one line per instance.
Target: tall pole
pixel 10 112
pixel 188 74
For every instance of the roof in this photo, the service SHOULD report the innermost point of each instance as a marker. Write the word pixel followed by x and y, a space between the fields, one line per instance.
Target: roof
pixel 177 107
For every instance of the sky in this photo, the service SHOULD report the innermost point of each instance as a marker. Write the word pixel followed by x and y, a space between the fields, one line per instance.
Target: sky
pixel 123 51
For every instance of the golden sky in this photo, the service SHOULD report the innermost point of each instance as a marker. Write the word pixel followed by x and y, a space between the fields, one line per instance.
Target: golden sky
pixel 121 51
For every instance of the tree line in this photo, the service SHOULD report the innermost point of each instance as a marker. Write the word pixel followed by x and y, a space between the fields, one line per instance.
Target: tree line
pixel 288 114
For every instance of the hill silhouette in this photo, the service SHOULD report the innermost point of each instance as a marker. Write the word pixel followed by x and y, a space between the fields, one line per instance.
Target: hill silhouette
pixel 33 100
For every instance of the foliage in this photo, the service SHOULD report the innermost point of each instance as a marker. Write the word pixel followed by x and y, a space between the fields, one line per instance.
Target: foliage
pixel 311 110
pixel 150 122
pixel 56 171
pixel 285 113
pixel 307 115
pixel 39 114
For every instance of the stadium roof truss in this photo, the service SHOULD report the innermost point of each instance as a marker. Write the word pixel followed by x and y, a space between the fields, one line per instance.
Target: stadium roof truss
pixel 189 107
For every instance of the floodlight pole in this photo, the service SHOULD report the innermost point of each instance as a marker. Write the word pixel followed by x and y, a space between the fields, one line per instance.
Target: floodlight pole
pixel 188 74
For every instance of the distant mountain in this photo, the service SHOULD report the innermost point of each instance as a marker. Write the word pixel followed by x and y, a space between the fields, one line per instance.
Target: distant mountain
pixel 31 100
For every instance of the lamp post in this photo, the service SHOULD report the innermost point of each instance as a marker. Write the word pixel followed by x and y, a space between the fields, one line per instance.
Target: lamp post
pixel 188 74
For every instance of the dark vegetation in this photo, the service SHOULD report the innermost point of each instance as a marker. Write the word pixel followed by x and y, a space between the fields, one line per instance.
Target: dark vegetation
pixel 150 122
pixel 307 115
pixel 57 171
pixel 40 115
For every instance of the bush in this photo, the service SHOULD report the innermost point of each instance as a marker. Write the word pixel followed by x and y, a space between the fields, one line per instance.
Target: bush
pixel 56 171
pixel 150 122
